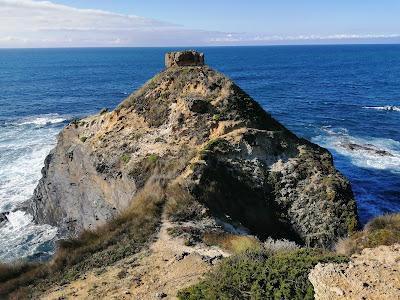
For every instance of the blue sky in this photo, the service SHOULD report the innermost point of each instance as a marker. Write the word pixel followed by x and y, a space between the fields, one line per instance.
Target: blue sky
pixel 180 23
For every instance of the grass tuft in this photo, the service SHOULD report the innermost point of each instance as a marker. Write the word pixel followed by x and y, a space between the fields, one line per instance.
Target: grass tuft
pixel 382 230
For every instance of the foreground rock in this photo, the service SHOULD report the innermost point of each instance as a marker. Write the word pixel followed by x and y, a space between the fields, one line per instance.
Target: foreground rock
pixel 375 274
pixel 192 128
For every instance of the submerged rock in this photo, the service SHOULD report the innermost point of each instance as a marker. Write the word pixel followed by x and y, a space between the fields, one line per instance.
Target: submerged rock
pixel 194 127
pixel 367 148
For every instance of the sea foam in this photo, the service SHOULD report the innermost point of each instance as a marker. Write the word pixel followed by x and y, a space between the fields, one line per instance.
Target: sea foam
pixel 370 153
pixel 24 144
pixel 386 107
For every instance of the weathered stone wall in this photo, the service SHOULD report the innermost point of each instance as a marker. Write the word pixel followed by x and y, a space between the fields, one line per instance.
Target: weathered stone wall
pixel 183 59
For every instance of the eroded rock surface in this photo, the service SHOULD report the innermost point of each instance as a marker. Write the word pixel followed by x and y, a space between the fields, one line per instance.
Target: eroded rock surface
pixel 375 274
pixel 196 128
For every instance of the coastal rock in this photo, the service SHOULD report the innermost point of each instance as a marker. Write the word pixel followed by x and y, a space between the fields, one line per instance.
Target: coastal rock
pixel 193 127
pixel 3 217
pixel 372 275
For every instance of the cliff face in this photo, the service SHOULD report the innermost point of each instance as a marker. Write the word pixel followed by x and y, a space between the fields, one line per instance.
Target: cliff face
pixel 192 127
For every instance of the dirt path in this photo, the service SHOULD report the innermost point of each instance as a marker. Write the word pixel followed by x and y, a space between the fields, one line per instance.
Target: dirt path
pixel 159 272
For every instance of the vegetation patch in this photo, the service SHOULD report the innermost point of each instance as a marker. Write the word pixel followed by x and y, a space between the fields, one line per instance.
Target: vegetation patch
pixel 181 206
pixel 383 230
pixel 261 275
pixel 152 158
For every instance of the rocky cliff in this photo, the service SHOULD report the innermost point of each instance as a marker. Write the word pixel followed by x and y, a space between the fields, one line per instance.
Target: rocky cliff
pixel 192 128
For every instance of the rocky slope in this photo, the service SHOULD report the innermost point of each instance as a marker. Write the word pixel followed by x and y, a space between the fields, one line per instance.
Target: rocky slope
pixel 375 274
pixel 214 149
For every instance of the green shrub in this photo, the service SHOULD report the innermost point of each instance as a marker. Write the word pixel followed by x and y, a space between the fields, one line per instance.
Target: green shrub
pixel 260 275
pixel 382 230
pixel 83 139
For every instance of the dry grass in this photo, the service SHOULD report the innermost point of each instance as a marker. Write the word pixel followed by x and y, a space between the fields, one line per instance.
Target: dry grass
pixel 232 242
pixel 383 230
pixel 124 236
pixel 181 206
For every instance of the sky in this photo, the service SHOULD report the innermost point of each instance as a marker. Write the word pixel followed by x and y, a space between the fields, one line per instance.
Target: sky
pixel 122 23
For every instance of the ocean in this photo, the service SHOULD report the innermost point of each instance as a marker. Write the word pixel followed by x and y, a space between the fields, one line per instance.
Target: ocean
pixel 344 98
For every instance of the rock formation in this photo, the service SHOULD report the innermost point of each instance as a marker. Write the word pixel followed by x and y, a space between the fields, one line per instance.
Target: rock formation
pixel 375 274
pixel 193 127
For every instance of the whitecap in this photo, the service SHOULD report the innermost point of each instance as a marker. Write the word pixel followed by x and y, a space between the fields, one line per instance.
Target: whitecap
pixel 23 149
pixel 386 107
pixel 20 237
pixel 42 120
pixel 370 153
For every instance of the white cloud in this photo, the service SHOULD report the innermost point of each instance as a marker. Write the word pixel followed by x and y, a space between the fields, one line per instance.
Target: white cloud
pixel 248 38
pixel 44 23
pixel 29 23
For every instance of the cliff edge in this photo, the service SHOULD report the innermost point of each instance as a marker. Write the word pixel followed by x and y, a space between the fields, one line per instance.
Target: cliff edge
pixel 215 151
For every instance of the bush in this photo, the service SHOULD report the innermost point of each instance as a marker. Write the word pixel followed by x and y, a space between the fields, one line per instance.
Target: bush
pixel 383 230
pixel 260 275
pixel 275 246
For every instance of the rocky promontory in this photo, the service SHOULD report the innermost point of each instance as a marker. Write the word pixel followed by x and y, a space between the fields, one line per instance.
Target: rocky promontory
pixel 200 136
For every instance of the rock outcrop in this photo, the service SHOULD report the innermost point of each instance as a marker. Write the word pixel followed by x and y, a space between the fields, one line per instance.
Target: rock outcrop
pixel 193 127
pixel 375 274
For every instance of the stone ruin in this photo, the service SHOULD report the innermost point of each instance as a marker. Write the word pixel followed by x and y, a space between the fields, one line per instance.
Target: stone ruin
pixel 184 59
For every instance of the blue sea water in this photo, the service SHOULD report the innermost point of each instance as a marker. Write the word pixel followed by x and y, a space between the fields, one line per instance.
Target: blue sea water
pixel 332 95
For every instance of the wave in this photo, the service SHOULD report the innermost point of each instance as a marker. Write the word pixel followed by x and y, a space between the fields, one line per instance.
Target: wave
pixel 20 237
pixel 42 120
pixel 386 107
pixel 370 153
pixel 24 144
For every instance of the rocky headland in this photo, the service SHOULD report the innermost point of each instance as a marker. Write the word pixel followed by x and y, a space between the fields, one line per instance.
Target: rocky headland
pixel 191 127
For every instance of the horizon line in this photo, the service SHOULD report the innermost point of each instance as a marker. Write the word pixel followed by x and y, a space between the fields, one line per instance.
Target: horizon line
pixel 206 46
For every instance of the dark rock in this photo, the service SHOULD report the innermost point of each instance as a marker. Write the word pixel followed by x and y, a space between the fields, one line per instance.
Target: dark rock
pixel 3 217
pixel 197 105
pixel 367 147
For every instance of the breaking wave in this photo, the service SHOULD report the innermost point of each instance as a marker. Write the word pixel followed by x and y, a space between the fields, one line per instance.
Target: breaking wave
pixel 386 107
pixel 24 144
pixel 370 153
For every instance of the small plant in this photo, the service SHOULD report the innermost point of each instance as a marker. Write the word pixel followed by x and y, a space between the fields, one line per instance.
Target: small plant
pixel 125 158
pixel 83 139
pixel 152 158
pixel 216 117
